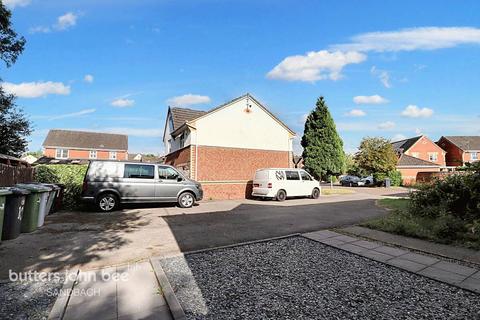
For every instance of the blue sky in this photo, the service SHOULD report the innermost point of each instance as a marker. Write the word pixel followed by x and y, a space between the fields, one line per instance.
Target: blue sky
pixel 386 68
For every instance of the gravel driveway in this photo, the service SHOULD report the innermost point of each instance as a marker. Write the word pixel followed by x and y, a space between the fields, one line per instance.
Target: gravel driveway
pixel 296 278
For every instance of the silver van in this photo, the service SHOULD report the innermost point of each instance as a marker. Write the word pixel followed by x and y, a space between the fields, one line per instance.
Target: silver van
pixel 109 183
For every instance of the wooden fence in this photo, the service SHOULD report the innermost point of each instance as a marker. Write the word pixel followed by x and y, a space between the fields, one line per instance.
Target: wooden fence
pixel 10 175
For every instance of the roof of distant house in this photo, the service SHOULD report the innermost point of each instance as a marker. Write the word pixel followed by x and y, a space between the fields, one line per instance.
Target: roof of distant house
pixel 409 161
pixel 403 145
pixel 86 140
pixel 148 158
pixel 182 115
pixel 465 142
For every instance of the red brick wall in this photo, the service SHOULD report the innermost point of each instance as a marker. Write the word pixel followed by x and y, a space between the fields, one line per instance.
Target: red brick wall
pixel 233 169
pixel 454 156
pixel 410 175
pixel 84 154
pixel 423 147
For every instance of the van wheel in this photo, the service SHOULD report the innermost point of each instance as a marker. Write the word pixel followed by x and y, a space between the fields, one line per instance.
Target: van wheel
pixel 281 195
pixel 107 202
pixel 315 193
pixel 186 200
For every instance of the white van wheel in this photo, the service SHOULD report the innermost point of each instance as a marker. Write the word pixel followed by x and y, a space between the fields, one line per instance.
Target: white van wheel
pixel 186 200
pixel 315 193
pixel 281 195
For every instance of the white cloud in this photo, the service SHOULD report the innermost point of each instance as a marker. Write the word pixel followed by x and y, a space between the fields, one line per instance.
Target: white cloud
pixel 122 103
pixel 387 125
pixel 423 38
pixel 398 137
pixel 418 131
pixel 16 3
pixel 72 115
pixel 412 111
pixel 39 29
pixel 66 21
pixel 382 75
pixel 356 113
pixel 88 78
pixel 315 66
pixel 36 89
pixel 375 99
pixel 188 100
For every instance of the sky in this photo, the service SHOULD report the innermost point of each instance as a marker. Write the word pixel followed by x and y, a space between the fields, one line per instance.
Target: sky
pixel 394 69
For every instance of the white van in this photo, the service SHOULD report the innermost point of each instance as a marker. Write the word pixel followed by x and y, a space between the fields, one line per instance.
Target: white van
pixel 281 183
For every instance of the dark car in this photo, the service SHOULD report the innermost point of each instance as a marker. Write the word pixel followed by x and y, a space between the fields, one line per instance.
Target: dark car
pixel 350 181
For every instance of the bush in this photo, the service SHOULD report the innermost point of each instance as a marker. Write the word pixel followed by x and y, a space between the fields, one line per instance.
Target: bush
pixel 69 175
pixel 394 176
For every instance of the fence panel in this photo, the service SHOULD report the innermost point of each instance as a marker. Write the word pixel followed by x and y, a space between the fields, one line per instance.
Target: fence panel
pixel 10 175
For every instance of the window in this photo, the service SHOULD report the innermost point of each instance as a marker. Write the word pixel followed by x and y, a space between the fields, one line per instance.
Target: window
pixel 280 175
pixel 433 156
pixel 182 140
pixel 112 155
pixel 292 175
pixel 61 154
pixel 139 171
pixel 416 154
pixel 474 156
pixel 92 154
pixel 167 173
pixel 305 176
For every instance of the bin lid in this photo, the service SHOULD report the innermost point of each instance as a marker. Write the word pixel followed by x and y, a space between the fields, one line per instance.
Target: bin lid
pixel 33 188
pixel 19 191
pixel 5 191
pixel 47 186
pixel 50 185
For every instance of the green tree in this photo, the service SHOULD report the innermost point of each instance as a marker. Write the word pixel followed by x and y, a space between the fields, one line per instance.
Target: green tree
pixel 323 153
pixel 14 126
pixel 376 155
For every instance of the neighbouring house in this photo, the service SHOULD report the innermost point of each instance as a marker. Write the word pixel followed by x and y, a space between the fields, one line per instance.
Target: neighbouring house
pixel 418 154
pixel 460 149
pixel 222 148
pixel 69 145
pixel 29 158
pixel 148 158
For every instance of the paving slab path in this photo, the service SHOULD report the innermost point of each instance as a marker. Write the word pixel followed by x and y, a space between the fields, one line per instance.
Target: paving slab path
pixel 123 292
pixel 434 268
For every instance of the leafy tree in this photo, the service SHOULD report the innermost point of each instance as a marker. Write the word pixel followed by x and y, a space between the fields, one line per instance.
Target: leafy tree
pixel 376 155
pixel 351 166
pixel 14 126
pixel 323 153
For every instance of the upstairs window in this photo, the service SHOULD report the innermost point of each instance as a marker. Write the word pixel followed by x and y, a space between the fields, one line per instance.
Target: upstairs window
pixel 92 154
pixel 182 140
pixel 137 171
pixel 416 154
pixel 61 154
pixel 433 156
pixel 112 155
pixel 474 156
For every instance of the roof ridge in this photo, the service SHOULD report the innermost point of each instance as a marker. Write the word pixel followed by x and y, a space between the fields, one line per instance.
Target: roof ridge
pixel 83 131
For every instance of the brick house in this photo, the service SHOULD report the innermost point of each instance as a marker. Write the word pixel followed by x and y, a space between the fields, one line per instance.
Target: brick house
pixel 80 145
pixel 222 148
pixel 418 154
pixel 460 149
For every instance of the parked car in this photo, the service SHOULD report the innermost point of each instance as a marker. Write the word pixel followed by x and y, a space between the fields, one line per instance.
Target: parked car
pixel 350 181
pixel 110 183
pixel 367 181
pixel 282 183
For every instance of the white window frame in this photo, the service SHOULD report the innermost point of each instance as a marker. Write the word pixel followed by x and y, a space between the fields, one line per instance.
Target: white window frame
pixel 430 158
pixel 92 154
pixel 472 157
pixel 416 154
pixel 62 155
pixel 112 155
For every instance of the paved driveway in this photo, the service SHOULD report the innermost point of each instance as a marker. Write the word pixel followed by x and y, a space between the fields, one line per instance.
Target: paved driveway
pixel 92 240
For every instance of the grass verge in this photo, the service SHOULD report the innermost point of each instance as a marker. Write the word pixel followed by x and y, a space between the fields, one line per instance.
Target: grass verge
pixel 445 229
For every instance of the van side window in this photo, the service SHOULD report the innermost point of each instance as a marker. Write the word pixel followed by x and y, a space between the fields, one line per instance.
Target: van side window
pixel 139 171
pixel 167 173
pixel 305 176
pixel 292 175
pixel 280 175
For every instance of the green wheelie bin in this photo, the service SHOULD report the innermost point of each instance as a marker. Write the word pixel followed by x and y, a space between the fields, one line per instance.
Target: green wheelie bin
pixel 4 192
pixel 35 206
pixel 14 206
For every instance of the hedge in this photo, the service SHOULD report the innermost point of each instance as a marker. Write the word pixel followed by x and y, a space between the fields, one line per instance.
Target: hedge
pixel 69 175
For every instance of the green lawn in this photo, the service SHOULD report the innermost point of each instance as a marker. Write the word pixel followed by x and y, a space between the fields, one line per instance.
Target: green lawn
pixel 445 229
